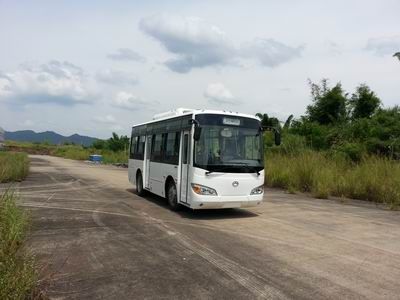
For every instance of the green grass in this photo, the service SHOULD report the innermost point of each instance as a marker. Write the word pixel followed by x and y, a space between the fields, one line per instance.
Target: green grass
pixel 18 276
pixel 69 151
pixel 72 152
pixel 325 174
pixel 13 166
pixel 80 153
pixel 110 157
pixel 32 148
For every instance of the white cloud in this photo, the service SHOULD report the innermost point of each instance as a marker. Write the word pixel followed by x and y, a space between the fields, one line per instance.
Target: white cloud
pixel 198 44
pixel 55 82
pixel 269 52
pixel 109 122
pixel 384 45
pixel 107 119
pixel 195 43
pixel 130 101
pixel 219 94
pixel 116 77
pixel 126 54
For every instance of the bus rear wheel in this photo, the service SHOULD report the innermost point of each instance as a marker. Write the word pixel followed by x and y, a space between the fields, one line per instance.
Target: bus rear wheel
pixel 139 184
pixel 172 197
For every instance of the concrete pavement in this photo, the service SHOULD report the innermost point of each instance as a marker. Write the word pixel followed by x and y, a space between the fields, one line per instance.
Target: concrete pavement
pixel 96 239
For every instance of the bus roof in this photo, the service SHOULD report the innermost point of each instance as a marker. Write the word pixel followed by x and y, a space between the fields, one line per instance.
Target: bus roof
pixel 180 112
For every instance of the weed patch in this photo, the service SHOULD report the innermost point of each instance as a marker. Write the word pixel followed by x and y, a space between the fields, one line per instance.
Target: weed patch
pixel 322 174
pixel 13 166
pixel 18 276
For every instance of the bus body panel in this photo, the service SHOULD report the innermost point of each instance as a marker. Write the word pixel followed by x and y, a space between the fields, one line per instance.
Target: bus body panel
pixel 133 166
pixel 233 189
pixel 213 202
pixel 229 184
pixel 159 174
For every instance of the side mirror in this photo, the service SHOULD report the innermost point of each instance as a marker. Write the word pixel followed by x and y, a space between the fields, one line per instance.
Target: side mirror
pixel 277 134
pixel 197 133
pixel 197 129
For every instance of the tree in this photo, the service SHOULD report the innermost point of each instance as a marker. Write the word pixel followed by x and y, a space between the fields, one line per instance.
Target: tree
pixel 99 144
pixel 268 122
pixel 329 104
pixel 117 143
pixel 316 135
pixel 288 122
pixel 363 102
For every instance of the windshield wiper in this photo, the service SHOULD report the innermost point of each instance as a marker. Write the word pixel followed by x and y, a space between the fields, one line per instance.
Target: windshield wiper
pixel 222 168
pixel 248 167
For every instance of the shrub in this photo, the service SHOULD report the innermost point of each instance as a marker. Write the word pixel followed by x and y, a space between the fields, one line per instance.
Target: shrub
pixel 353 151
pixel 18 277
pixel 316 135
pixel 80 153
pixel 375 179
pixel 292 144
pixel 72 152
pixel 13 166
pixel 325 174
pixel 111 157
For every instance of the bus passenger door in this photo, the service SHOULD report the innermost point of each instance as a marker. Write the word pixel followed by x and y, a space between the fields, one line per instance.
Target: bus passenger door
pixel 185 159
pixel 147 162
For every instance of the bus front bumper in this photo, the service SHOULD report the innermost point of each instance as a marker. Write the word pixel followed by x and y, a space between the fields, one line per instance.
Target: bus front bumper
pixel 212 202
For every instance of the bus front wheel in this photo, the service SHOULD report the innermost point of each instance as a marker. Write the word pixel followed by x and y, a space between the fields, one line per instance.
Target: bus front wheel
pixel 172 197
pixel 139 184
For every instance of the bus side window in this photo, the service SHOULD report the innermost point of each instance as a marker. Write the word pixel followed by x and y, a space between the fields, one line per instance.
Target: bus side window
pixel 171 153
pixel 156 151
pixel 140 147
pixel 163 154
pixel 153 138
pixel 133 146
pixel 176 147
pixel 185 148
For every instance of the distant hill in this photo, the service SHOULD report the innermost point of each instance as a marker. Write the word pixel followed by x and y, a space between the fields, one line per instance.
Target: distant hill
pixel 49 136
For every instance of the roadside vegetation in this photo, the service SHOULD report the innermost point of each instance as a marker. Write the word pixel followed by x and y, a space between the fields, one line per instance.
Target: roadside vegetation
pixel 13 166
pixel 323 174
pixel 18 276
pixel 113 150
pixel 344 146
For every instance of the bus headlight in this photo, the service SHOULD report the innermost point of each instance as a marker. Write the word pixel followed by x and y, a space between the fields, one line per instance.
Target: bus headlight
pixel 203 190
pixel 258 190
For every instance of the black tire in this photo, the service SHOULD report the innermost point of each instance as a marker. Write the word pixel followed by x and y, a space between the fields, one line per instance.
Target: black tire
pixel 139 184
pixel 172 197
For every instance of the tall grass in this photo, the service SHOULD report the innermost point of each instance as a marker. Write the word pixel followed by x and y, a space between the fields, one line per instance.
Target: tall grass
pixel 13 166
pixel 72 152
pixel 111 157
pixel 325 174
pixel 18 277
pixel 81 153
pixel 76 152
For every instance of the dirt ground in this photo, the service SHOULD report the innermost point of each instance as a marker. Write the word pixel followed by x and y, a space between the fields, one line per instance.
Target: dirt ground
pixel 95 239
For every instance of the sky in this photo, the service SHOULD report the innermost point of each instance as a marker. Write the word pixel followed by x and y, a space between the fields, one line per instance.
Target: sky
pixel 94 67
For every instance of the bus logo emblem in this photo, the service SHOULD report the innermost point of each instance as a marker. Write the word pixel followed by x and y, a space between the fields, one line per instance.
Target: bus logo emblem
pixel 235 183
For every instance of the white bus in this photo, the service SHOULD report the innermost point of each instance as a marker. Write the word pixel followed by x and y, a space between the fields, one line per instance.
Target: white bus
pixel 199 158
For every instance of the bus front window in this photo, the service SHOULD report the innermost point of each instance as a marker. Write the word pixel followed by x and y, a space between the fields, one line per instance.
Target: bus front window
pixel 228 148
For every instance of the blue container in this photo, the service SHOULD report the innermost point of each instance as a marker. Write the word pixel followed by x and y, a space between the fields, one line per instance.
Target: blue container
pixel 95 158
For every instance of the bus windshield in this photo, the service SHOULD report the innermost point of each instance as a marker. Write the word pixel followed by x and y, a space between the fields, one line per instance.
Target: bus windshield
pixel 223 148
